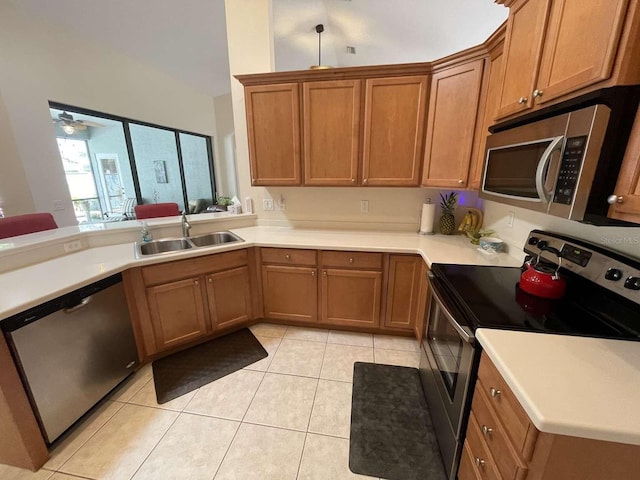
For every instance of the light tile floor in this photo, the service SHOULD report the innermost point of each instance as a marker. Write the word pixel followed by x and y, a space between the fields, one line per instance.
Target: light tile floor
pixel 284 417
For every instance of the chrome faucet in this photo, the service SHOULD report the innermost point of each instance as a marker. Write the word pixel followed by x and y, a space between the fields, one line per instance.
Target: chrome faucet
pixel 186 226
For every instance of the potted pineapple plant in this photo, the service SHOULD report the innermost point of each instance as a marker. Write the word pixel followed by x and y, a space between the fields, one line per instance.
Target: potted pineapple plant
pixel 447 220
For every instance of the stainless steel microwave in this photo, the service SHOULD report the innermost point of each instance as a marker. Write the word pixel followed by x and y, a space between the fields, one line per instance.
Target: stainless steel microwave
pixel 565 160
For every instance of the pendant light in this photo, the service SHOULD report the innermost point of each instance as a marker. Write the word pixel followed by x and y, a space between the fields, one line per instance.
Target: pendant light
pixel 319 30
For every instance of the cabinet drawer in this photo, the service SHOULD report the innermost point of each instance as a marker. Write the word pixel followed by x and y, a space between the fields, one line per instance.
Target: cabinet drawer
pixel 286 256
pixel 492 430
pixel 515 420
pixel 352 259
pixel 171 271
pixel 481 459
pixel 467 470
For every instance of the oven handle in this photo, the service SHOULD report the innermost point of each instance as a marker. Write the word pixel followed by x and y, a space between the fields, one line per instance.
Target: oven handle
pixel 464 332
pixel 543 168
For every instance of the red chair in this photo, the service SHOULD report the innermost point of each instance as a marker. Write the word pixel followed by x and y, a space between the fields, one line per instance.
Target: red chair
pixel 23 224
pixel 155 210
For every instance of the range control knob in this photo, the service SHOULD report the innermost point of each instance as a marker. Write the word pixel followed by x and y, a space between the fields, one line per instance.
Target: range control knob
pixel 542 244
pixel 632 283
pixel 613 274
pixel 533 241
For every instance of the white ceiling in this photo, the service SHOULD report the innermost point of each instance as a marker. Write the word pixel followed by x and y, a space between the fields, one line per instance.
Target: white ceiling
pixel 187 38
pixel 382 31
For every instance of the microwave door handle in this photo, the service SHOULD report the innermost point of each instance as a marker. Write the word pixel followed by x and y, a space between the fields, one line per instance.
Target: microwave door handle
pixel 543 166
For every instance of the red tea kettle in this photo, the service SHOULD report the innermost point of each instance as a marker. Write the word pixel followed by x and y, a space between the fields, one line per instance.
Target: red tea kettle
pixel 542 280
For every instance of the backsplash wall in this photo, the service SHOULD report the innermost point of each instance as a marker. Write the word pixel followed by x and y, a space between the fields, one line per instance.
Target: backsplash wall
pixel 622 239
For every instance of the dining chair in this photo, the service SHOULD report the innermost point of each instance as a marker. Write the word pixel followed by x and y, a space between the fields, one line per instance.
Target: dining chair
pixel 28 223
pixel 155 210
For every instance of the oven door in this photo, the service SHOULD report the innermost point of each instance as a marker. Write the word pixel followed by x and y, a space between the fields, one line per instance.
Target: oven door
pixel 447 370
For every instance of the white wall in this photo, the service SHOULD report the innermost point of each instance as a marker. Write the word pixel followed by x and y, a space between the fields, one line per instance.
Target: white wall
pixel 41 62
pixel 225 152
pixel 623 239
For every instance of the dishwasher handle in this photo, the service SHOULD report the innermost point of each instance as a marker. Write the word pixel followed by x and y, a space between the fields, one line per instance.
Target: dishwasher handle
pixel 83 303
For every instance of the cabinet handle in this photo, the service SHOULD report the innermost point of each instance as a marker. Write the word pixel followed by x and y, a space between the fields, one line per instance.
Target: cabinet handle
pixel 350 259
pixel 494 392
pixel 365 181
pixel 522 100
pixel 313 273
pixel 537 93
pixel 487 430
pixel 210 280
pixel 613 199
pixel 287 256
pixel 324 274
pixel 353 180
pixel 196 282
pixel 460 182
pixel 480 462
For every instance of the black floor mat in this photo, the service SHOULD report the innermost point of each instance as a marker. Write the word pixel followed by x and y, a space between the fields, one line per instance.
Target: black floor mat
pixel 189 369
pixel 391 432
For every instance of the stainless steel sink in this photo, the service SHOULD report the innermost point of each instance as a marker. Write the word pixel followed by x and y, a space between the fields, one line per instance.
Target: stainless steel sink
pixel 169 245
pixel 217 238
pixel 163 246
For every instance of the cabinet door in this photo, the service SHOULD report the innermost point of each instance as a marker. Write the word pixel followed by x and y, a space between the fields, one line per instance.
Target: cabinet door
pixel 453 108
pixel 490 109
pixel 522 50
pixel 581 45
pixel 628 187
pixel 290 293
pixel 229 297
pixel 331 128
pixel 393 130
pixel 273 130
pixel 403 292
pixel 351 297
pixel 177 312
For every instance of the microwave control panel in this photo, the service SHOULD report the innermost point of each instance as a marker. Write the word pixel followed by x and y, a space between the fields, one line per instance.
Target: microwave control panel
pixel 570 166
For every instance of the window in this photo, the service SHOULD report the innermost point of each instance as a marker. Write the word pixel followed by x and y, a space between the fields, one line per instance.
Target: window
pixel 110 159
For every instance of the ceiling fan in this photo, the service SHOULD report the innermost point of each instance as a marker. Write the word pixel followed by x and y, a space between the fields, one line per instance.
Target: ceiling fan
pixel 69 125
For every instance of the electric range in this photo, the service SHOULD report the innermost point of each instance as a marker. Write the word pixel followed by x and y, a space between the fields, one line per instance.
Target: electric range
pixel 602 300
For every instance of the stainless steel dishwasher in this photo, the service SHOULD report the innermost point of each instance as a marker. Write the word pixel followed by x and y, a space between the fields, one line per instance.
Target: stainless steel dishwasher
pixel 72 351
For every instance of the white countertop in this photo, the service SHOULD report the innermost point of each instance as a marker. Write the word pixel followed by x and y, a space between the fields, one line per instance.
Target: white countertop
pixel 29 286
pixel 577 386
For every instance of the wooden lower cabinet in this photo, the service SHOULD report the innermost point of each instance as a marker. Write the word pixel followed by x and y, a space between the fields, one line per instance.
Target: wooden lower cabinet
pixel 178 303
pixel 229 297
pixel 502 442
pixel 177 313
pixel 351 297
pixel 403 292
pixel 290 292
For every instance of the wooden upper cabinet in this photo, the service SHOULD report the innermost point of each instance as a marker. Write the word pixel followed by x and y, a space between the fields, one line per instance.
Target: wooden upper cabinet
pixel 453 108
pixel 331 132
pixel 627 189
pixel 273 130
pixel 493 76
pixel 522 50
pixel 393 130
pixel 580 46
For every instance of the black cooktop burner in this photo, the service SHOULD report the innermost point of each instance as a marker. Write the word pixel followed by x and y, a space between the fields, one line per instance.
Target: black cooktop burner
pixel 489 297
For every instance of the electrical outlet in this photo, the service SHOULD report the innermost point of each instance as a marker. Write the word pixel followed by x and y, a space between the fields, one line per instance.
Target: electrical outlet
pixel 267 204
pixel 511 218
pixel 281 203
pixel 72 246
pixel 364 206
pixel 58 205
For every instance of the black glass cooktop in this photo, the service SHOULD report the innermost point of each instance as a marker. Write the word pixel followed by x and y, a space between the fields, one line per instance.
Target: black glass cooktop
pixel 489 297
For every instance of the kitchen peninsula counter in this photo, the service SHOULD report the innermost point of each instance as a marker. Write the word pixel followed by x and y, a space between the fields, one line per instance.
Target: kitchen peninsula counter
pixel 28 286
pixel 568 385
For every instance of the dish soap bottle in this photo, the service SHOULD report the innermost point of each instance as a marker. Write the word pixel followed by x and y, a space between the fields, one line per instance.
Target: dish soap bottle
pixel 146 233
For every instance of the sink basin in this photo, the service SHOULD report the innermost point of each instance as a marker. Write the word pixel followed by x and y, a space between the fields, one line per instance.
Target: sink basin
pixel 164 246
pixel 168 245
pixel 217 238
